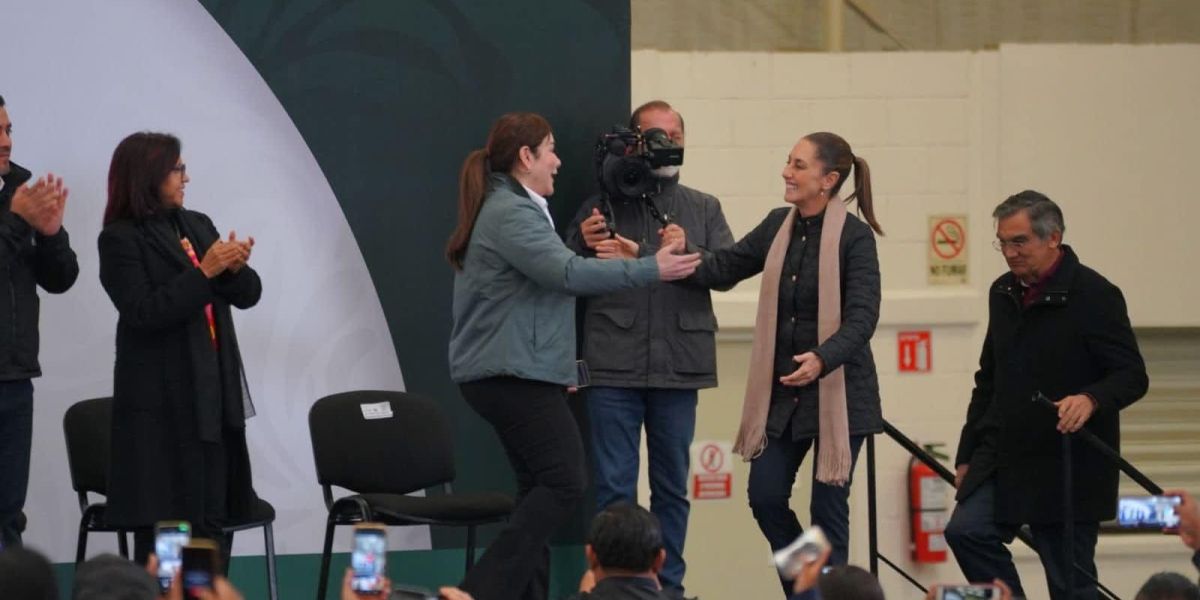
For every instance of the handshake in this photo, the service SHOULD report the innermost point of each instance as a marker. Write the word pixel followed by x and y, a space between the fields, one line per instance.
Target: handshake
pixel 672 263
pixel 42 204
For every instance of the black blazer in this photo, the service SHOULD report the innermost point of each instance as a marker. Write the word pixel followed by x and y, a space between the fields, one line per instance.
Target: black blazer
pixel 1075 338
pixel 176 398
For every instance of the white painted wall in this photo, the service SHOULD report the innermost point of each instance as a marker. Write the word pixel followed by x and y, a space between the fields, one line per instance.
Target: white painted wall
pixel 1106 131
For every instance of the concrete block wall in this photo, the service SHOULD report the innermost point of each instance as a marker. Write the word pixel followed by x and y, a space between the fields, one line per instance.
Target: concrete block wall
pixel 929 124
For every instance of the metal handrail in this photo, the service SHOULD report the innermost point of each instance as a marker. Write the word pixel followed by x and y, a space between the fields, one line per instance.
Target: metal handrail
pixel 948 476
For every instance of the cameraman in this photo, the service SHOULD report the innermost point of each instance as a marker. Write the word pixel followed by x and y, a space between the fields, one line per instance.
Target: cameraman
pixel 649 350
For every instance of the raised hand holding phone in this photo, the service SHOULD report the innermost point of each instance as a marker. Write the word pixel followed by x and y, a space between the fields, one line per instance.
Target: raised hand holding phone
pixel 169 539
pixel 369 559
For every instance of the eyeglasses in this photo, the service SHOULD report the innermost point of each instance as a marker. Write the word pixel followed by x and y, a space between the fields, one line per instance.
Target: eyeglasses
pixel 180 168
pixel 1015 244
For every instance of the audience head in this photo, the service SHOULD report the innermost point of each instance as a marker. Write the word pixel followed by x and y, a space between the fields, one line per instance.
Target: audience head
pixel 143 167
pixel 1168 586
pixel 849 583
pixel 27 575
pixel 110 577
pixel 626 538
pixel 520 144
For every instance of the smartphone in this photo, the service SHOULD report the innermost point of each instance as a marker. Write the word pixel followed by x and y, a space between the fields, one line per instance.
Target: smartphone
pixel 1148 512
pixel 199 566
pixel 169 539
pixel 806 549
pixel 369 558
pixel 966 592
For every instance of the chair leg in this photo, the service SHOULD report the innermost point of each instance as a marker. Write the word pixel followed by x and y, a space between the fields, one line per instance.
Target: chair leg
pixel 122 544
pixel 326 555
pixel 470 546
pixel 81 545
pixel 269 542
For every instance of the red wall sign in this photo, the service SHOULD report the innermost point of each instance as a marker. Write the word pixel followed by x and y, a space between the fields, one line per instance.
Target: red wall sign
pixel 915 351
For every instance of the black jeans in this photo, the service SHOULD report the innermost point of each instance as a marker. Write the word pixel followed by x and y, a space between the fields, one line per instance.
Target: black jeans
pixel 542 441
pixel 770 490
pixel 16 439
pixel 978 544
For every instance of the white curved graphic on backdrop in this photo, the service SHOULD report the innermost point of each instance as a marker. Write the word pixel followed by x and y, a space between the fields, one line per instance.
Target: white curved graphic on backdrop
pixel 79 76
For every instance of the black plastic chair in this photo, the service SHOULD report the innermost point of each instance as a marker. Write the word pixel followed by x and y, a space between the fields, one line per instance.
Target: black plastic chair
pixel 383 459
pixel 88 429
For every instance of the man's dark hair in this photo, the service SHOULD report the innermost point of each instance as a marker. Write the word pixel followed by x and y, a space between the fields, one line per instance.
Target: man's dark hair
pixel 635 120
pixel 849 582
pixel 1044 215
pixel 1168 586
pixel 27 575
pixel 110 577
pixel 625 536
pixel 1 101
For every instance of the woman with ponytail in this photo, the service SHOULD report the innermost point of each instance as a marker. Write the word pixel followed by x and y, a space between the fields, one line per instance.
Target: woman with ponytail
pixel 812 377
pixel 512 346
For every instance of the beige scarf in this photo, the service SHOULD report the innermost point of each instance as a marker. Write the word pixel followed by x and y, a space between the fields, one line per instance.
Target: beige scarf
pixel 833 438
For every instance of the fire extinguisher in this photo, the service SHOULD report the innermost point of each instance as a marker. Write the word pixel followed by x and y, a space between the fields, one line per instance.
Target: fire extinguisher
pixel 928 506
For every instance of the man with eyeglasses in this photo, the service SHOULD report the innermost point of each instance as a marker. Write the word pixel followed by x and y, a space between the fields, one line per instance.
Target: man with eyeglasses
pixel 1058 328
pixel 34 250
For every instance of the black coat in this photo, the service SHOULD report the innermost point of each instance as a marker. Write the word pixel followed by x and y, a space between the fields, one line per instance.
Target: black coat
pixel 659 336
pixel 796 324
pixel 1075 338
pixel 179 410
pixel 27 260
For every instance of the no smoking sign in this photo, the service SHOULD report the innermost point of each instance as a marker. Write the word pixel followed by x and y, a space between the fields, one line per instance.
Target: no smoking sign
pixel 948 249
pixel 712 470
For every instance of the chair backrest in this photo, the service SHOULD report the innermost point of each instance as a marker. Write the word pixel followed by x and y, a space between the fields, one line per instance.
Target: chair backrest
pixel 88 429
pixel 410 450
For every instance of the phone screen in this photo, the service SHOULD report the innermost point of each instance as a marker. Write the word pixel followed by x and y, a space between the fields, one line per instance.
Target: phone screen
pixel 369 560
pixel 199 567
pixel 967 592
pixel 1153 512
pixel 169 540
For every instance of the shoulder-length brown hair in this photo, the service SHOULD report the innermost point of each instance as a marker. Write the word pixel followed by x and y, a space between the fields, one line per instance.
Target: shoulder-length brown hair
pixel 509 134
pixel 140 165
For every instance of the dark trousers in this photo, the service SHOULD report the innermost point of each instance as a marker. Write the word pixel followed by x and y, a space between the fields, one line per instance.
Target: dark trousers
pixel 978 543
pixel 16 440
pixel 542 441
pixel 772 475
pixel 617 416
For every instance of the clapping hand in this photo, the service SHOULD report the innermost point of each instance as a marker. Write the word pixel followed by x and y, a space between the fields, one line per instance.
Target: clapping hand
pixel 225 256
pixel 42 204
pixel 247 246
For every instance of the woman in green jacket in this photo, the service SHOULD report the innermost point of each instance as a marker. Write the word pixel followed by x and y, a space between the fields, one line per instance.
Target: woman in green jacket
pixel 512 347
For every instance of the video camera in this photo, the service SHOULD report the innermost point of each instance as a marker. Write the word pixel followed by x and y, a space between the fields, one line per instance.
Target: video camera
pixel 626 158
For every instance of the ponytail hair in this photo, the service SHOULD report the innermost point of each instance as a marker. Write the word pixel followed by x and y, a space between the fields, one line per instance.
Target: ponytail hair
pixel 835 154
pixel 509 134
